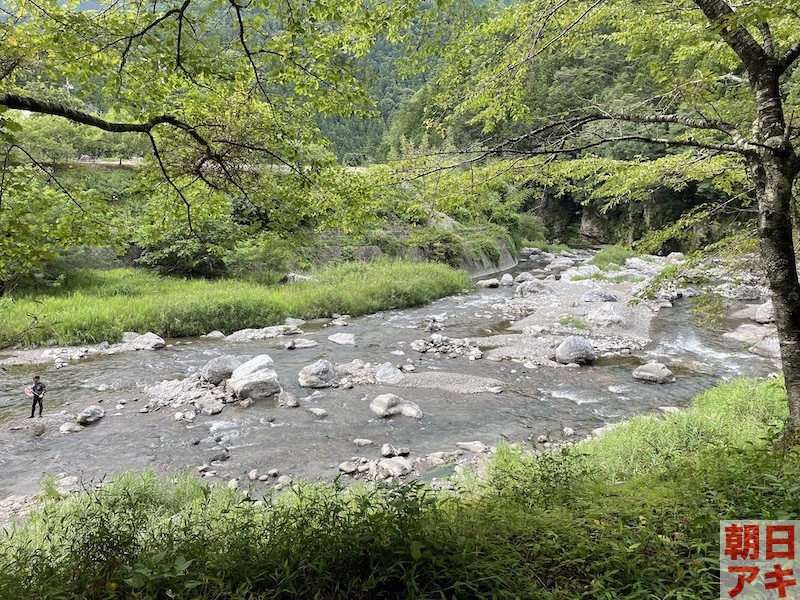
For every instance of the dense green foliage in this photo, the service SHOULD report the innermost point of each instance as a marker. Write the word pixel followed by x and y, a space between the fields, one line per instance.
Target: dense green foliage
pixel 634 515
pixel 92 305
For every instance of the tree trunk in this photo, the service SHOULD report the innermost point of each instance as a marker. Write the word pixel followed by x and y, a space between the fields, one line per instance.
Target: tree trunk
pixel 774 165
pixel 773 189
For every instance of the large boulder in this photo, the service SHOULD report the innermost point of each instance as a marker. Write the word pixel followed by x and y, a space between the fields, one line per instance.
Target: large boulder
pixel 321 374
pixel 91 414
pixel 387 405
pixel 255 379
pixel 219 369
pixel 575 349
pixel 654 372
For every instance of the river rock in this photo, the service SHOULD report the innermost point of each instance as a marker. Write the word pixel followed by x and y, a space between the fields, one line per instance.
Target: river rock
pixel 265 333
pixel 300 344
pixel 746 313
pixel 533 286
pixel 559 263
pixel 288 400
pixel 343 339
pixel 743 292
pixel 213 335
pixel 148 341
pixel 581 273
pixel 388 374
pixel 748 334
pixel 599 295
pixel 219 369
pixel 476 447
pixel 397 466
pixel 524 276
pixel 388 451
pixel 209 404
pixel 507 280
pixel 488 283
pixel 436 459
pixel 321 374
pixel 362 442
pixel 319 413
pixel 605 315
pixel 350 467
pixel 654 372
pixel 255 379
pixel 768 348
pixel 575 349
pixel 70 428
pixel 91 414
pixel 765 313
pixel 387 405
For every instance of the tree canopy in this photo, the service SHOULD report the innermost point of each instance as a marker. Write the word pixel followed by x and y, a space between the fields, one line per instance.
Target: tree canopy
pixel 616 97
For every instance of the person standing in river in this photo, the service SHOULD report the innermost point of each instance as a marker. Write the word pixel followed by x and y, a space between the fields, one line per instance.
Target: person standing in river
pixel 37 391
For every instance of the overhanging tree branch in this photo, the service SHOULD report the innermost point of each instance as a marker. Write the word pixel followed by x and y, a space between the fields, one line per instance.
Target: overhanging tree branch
pixel 16 101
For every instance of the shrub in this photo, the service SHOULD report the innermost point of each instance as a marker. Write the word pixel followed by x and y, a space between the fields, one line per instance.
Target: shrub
pixel 612 255
pixel 438 245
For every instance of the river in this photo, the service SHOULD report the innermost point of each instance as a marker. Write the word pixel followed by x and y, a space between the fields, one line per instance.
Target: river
pixel 535 401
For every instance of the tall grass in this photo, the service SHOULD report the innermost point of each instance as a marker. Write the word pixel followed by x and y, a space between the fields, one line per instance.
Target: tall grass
pixel 611 256
pixel 92 306
pixel 739 414
pixel 592 521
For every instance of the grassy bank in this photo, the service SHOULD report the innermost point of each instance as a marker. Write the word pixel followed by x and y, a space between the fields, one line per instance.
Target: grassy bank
pixel 93 305
pixel 634 514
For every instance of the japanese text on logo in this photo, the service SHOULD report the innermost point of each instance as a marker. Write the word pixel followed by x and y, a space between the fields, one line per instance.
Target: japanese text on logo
pixel 757 559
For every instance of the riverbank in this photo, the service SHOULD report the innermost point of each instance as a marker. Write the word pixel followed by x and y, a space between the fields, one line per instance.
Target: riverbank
pixel 632 514
pixel 93 306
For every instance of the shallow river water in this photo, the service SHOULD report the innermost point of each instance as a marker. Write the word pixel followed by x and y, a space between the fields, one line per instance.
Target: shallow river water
pixel 264 436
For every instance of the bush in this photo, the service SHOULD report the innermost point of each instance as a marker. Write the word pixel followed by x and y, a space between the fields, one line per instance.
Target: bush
pixel 438 245
pixel 528 227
